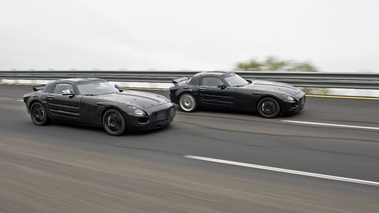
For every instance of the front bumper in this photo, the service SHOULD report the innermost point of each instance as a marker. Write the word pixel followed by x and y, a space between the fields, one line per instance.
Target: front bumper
pixel 158 117
pixel 296 106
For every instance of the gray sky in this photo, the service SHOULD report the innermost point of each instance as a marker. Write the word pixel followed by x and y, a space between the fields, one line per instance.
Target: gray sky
pixel 334 35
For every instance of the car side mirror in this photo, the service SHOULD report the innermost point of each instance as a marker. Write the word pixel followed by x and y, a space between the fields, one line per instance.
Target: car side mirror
pixel 222 86
pixel 118 87
pixel 68 92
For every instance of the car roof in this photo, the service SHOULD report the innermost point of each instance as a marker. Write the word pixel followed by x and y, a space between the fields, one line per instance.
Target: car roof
pixel 217 73
pixel 79 80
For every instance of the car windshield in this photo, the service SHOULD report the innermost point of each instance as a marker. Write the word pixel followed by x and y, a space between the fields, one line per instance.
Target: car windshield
pixel 97 88
pixel 235 80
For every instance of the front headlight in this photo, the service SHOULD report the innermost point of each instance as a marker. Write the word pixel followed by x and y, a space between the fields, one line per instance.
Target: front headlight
pixel 291 99
pixel 133 110
pixel 139 113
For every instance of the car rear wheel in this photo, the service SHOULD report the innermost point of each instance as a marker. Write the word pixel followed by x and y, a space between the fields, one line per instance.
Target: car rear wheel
pixel 187 102
pixel 39 115
pixel 268 107
pixel 113 122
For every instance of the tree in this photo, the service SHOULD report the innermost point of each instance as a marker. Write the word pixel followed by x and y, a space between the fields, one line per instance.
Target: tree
pixel 271 63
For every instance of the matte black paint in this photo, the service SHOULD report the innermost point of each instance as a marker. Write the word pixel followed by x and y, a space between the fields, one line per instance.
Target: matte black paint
pixel 88 110
pixel 244 98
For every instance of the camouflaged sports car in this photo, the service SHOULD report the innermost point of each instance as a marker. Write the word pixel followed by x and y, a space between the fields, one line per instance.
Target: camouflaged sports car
pixel 97 102
pixel 228 91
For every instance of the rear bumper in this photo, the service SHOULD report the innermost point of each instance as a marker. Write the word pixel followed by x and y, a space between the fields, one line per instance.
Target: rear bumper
pixel 174 98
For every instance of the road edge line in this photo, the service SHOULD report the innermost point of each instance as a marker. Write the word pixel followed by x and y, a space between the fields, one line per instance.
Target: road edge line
pixel 286 171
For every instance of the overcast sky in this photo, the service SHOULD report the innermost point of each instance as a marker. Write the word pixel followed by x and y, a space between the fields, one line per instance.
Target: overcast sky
pixel 334 35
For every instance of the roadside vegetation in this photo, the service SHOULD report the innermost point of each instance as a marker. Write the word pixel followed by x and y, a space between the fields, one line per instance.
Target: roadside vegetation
pixel 272 63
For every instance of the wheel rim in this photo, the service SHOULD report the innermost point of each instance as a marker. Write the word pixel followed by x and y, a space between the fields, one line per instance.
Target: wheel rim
pixel 39 114
pixel 113 122
pixel 268 107
pixel 187 103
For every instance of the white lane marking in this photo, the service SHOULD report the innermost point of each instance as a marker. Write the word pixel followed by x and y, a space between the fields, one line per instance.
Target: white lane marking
pixel 332 125
pixel 288 171
pixel 20 100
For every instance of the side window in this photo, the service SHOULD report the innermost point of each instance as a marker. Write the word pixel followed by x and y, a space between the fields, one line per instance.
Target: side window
pixel 211 81
pixel 60 87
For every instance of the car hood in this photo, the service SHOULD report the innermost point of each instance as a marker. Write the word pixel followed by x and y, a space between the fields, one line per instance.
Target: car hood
pixel 273 86
pixel 140 99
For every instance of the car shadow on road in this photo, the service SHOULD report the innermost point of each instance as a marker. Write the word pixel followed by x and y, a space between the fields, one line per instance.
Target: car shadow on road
pixel 239 113
pixel 86 129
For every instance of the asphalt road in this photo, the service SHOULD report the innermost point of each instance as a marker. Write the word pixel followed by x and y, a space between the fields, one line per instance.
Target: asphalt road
pixel 65 168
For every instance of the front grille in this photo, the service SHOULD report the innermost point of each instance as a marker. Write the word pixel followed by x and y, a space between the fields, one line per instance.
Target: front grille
pixel 162 115
pixel 302 100
pixel 165 114
pixel 172 112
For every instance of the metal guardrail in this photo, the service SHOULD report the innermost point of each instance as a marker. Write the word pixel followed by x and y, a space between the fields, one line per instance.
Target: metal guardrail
pixel 300 79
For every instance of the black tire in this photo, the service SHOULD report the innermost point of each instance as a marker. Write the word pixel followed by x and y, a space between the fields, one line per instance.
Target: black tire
pixel 38 114
pixel 187 102
pixel 114 122
pixel 268 107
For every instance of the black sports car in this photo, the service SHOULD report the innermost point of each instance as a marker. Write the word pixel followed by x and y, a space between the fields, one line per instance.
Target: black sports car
pixel 97 102
pixel 228 91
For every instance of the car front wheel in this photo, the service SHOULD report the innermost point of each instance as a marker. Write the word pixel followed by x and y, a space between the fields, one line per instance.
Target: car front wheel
pixel 114 123
pixel 268 107
pixel 187 102
pixel 39 115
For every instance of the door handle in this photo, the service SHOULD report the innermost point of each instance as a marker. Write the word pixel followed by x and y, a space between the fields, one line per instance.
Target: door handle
pixel 50 97
pixel 202 88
